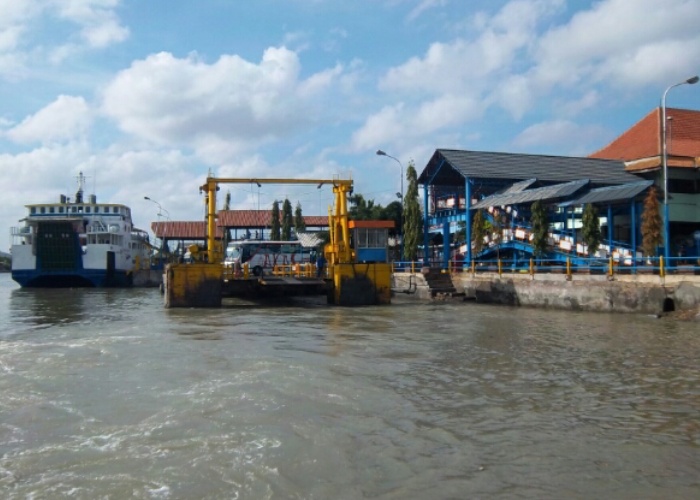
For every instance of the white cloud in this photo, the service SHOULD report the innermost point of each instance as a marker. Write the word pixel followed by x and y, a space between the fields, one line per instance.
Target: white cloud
pixel 574 107
pixel 627 42
pixel 218 109
pixel 25 41
pixel 98 20
pixel 558 132
pixel 523 57
pixel 423 6
pixel 454 82
pixel 105 33
pixel 470 65
pixel 64 119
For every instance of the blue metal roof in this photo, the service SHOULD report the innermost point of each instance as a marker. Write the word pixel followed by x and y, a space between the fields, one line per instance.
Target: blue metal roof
pixel 451 167
pixel 530 195
pixel 610 194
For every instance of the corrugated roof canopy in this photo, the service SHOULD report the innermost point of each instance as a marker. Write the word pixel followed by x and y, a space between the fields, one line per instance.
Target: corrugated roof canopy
pixel 451 167
pixel 531 195
pixel 520 186
pixel 612 193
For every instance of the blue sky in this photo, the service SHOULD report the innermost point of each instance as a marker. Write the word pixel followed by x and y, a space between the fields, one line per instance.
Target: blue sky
pixel 146 97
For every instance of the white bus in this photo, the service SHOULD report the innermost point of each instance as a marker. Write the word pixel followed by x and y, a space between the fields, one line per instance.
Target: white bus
pixel 262 256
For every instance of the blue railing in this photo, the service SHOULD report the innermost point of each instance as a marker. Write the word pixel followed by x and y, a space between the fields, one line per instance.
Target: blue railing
pixel 581 265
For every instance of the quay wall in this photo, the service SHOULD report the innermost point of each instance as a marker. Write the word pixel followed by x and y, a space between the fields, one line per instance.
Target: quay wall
pixel 644 294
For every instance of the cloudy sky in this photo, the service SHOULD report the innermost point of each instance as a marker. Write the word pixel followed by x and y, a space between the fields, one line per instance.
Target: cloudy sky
pixel 145 97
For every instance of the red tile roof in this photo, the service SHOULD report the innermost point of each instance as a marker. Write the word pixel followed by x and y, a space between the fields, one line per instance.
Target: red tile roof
pixel 260 218
pixel 371 224
pixel 643 140
pixel 182 230
pixel 197 230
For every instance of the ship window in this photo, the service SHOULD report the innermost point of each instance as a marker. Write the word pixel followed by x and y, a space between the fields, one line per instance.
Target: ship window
pixel 75 209
pixel 115 210
pixel 33 210
pixel 52 210
pixel 87 210
pixel 43 210
pixel 60 210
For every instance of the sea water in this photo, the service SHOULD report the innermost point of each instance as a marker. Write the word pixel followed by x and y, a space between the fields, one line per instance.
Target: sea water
pixel 107 394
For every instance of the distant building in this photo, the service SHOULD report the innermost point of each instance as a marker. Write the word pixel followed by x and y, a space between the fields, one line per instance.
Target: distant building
pixel 641 150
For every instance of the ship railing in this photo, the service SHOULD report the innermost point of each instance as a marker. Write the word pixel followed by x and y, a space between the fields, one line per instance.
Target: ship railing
pixel 21 234
pixel 97 226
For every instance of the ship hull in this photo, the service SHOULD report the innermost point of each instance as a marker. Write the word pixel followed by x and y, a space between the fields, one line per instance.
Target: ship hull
pixel 71 279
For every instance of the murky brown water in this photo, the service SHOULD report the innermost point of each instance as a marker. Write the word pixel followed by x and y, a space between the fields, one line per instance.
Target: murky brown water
pixel 105 394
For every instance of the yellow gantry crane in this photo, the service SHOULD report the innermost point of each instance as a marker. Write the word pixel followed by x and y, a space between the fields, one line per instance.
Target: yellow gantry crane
pixel 199 284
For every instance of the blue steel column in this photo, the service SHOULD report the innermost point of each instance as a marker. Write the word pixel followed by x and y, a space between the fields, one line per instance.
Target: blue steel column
pixel 445 244
pixel 426 226
pixel 468 215
pixel 633 230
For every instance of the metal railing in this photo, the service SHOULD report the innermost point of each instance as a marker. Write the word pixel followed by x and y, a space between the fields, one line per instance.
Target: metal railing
pixel 611 266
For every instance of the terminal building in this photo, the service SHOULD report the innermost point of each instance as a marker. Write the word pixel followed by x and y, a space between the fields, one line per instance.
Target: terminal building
pixel 616 179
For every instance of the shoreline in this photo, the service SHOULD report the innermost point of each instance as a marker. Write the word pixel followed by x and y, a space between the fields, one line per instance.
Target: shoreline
pixel 673 295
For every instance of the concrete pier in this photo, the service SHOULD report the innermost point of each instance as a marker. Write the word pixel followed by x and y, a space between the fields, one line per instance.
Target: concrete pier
pixel 646 294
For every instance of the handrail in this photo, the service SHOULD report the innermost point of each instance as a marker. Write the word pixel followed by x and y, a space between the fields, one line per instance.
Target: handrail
pixel 583 265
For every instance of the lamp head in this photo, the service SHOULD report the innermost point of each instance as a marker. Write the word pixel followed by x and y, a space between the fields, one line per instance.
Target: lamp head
pixel 381 153
pixel 692 80
pixel 146 198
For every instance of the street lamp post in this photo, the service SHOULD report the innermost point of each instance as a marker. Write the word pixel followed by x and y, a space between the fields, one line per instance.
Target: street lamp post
pixel 160 214
pixel 160 209
pixel 382 153
pixel 664 159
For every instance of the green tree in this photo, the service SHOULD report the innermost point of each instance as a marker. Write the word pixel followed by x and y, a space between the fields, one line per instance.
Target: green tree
pixel 275 233
pixel 287 220
pixel 413 218
pixel 361 209
pixel 651 224
pixel 393 212
pixel 538 221
pixel 590 228
pixel 227 201
pixel 299 224
pixel 479 230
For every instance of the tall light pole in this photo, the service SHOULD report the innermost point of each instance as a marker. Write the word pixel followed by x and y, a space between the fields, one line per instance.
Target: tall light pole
pixel 664 159
pixel 160 214
pixel 382 153
pixel 160 209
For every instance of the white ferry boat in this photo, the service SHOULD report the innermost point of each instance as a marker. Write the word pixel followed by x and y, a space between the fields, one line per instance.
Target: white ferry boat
pixel 78 243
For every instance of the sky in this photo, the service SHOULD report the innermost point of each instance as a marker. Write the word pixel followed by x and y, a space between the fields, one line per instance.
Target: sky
pixel 148 97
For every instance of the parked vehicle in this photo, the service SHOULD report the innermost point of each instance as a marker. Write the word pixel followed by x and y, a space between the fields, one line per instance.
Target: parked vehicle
pixel 262 256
